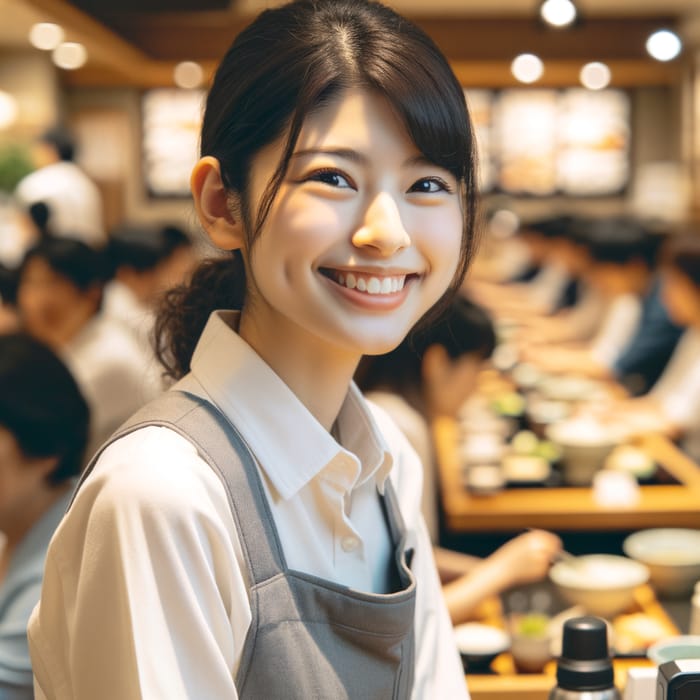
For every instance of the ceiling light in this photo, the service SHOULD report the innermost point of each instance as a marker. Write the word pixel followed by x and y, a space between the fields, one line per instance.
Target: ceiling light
pixel 595 76
pixel 8 109
pixel 664 45
pixel 558 13
pixel 69 55
pixel 188 74
pixel 45 35
pixel 527 68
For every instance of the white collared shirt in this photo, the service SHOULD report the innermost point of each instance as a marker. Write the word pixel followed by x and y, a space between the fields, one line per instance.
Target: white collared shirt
pixel 619 325
pixel 145 590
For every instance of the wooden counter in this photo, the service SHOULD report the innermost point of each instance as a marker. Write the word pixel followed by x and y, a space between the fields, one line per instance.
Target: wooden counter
pixel 569 508
pixel 506 684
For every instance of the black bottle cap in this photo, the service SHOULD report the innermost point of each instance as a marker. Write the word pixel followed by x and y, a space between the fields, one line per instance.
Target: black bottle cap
pixel 585 663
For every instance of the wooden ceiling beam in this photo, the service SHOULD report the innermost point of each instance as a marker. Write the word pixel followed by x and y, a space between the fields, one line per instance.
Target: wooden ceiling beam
pixel 104 46
pixel 207 35
pixel 477 74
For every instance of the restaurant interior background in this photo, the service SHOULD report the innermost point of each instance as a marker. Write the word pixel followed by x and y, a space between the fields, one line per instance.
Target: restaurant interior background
pixel 129 78
pixel 635 145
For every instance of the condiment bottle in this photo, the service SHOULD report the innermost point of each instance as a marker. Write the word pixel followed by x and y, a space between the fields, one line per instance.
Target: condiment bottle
pixel 584 670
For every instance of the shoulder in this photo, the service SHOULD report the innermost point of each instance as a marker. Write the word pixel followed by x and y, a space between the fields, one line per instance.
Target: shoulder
pixel 152 474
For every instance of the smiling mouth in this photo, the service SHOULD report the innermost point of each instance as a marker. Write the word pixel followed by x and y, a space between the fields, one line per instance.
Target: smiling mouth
pixel 369 284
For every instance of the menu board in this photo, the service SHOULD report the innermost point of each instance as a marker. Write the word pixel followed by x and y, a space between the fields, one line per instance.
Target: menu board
pixel 542 142
pixel 534 142
pixel 171 120
pixel 594 136
pixel 526 141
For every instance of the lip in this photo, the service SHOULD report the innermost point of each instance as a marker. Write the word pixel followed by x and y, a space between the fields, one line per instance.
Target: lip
pixel 371 302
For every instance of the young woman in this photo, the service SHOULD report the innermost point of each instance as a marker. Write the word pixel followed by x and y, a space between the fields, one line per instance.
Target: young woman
pixel 286 558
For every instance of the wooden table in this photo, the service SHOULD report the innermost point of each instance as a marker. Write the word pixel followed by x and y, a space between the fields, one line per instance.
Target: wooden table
pixel 569 508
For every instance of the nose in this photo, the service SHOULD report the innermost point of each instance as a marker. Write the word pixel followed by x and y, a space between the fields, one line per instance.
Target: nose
pixel 381 228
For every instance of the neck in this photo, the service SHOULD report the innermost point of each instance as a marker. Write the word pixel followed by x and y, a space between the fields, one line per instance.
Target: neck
pixel 318 375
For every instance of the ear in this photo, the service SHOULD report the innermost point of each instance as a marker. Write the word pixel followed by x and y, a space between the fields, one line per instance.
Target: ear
pixel 212 204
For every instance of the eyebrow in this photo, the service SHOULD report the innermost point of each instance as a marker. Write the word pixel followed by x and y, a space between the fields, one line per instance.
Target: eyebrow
pixel 356 157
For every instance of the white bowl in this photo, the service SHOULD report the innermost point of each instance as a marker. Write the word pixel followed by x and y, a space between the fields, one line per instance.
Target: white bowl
pixel 602 583
pixel 672 556
pixel 480 644
pixel 585 445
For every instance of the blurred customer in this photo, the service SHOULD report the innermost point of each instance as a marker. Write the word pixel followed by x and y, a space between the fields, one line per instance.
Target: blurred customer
pixel 431 374
pixel 644 359
pixel 73 201
pixel 59 298
pixel 672 406
pixel 43 433
pixel 553 287
pixel 146 260
pixel 623 254
pixel 581 320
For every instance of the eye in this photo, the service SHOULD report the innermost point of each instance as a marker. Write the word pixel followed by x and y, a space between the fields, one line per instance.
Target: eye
pixel 333 178
pixel 430 185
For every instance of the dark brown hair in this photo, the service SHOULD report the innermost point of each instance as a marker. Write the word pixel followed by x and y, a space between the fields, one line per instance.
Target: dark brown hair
pixel 41 405
pixel 291 61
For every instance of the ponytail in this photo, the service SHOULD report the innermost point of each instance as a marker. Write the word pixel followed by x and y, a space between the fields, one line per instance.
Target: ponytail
pixel 218 283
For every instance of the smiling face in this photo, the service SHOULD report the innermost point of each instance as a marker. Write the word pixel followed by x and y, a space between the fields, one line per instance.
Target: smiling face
pixel 361 240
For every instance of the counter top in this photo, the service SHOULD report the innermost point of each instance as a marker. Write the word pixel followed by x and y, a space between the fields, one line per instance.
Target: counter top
pixel 566 508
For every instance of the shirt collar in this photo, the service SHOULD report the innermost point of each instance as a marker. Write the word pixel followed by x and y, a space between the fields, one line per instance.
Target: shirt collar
pixel 291 446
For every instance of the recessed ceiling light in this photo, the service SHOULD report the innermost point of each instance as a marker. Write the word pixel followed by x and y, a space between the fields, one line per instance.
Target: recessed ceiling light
pixel 188 74
pixel 70 55
pixel 595 76
pixel 558 13
pixel 664 45
pixel 527 68
pixel 46 35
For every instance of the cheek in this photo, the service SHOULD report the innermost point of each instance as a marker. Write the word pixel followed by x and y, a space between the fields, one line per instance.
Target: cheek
pixel 440 234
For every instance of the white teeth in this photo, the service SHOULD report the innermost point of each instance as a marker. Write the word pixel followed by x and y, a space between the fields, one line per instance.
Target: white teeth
pixel 372 285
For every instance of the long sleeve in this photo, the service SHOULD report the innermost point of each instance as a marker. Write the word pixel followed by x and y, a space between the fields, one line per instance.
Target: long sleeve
pixel 143 594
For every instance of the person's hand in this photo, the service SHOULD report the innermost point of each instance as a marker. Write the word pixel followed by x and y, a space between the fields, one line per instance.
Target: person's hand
pixel 527 557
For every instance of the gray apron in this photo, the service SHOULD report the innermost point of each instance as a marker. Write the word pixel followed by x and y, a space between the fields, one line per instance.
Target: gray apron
pixel 309 638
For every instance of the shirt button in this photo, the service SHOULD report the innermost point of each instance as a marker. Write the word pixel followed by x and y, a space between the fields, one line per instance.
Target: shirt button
pixel 349 544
